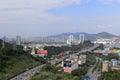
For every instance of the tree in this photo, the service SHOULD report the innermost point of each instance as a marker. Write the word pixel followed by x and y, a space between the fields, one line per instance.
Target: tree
pixel 81 71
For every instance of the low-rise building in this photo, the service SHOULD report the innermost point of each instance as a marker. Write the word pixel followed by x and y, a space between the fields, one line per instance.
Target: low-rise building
pixel 33 51
pixel 73 63
pixel 42 53
pixel 82 59
pixel 116 67
pixel 103 41
pixel 105 66
pixel 69 65
pixel 114 62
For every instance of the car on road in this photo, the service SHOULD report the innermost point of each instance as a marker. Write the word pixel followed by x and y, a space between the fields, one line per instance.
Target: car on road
pixel 87 78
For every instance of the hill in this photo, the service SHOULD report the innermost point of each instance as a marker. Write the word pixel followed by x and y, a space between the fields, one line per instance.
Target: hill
pixel 88 36
pixel 13 62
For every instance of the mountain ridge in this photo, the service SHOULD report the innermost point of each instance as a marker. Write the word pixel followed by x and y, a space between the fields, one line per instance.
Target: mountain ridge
pixel 87 35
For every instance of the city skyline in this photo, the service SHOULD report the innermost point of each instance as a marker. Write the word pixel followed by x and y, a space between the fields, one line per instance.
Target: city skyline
pixel 50 17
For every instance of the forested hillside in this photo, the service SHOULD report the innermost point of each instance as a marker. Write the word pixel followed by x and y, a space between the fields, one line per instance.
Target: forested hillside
pixel 14 61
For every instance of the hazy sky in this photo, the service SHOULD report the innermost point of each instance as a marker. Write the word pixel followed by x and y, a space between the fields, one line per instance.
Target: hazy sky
pixel 49 17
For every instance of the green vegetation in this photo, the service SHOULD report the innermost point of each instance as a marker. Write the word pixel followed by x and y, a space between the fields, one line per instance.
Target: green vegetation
pixel 87 44
pixel 15 61
pixel 50 68
pixel 116 48
pixel 100 67
pixel 110 75
pixel 55 73
pixel 101 47
pixel 90 59
pixel 52 73
pixel 110 56
pixel 80 72
pixel 96 66
pixel 56 50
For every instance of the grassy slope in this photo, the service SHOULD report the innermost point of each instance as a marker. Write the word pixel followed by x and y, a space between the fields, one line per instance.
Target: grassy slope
pixel 13 62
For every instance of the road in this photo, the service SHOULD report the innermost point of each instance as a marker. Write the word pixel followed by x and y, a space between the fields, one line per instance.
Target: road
pixel 94 75
pixel 28 74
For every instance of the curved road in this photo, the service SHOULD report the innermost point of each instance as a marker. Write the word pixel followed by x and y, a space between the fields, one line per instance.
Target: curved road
pixel 94 75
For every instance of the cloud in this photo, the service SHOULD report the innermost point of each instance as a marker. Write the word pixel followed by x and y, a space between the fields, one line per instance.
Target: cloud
pixel 17 16
pixel 34 15
pixel 109 1
pixel 32 11
pixel 104 26
pixel 39 4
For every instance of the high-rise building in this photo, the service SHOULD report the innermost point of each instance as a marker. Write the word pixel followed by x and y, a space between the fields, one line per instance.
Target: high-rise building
pixel 18 40
pixel 70 40
pixel 82 38
pixel 13 41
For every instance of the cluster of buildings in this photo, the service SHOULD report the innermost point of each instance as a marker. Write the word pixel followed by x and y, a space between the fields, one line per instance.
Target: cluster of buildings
pixel 39 52
pixel 73 62
pixel 17 40
pixel 71 39
pixel 14 41
pixel 113 42
pixel 107 51
pixel 102 52
pixel 110 46
pixel 36 51
pixel 114 64
pixel 62 39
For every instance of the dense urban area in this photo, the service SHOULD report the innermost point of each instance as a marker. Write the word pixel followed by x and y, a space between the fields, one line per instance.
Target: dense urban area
pixel 64 59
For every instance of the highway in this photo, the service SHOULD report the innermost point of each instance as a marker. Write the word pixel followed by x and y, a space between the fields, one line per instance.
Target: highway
pixel 94 75
pixel 28 74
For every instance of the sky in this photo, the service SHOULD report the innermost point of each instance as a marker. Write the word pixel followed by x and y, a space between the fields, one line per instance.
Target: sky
pixel 30 18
